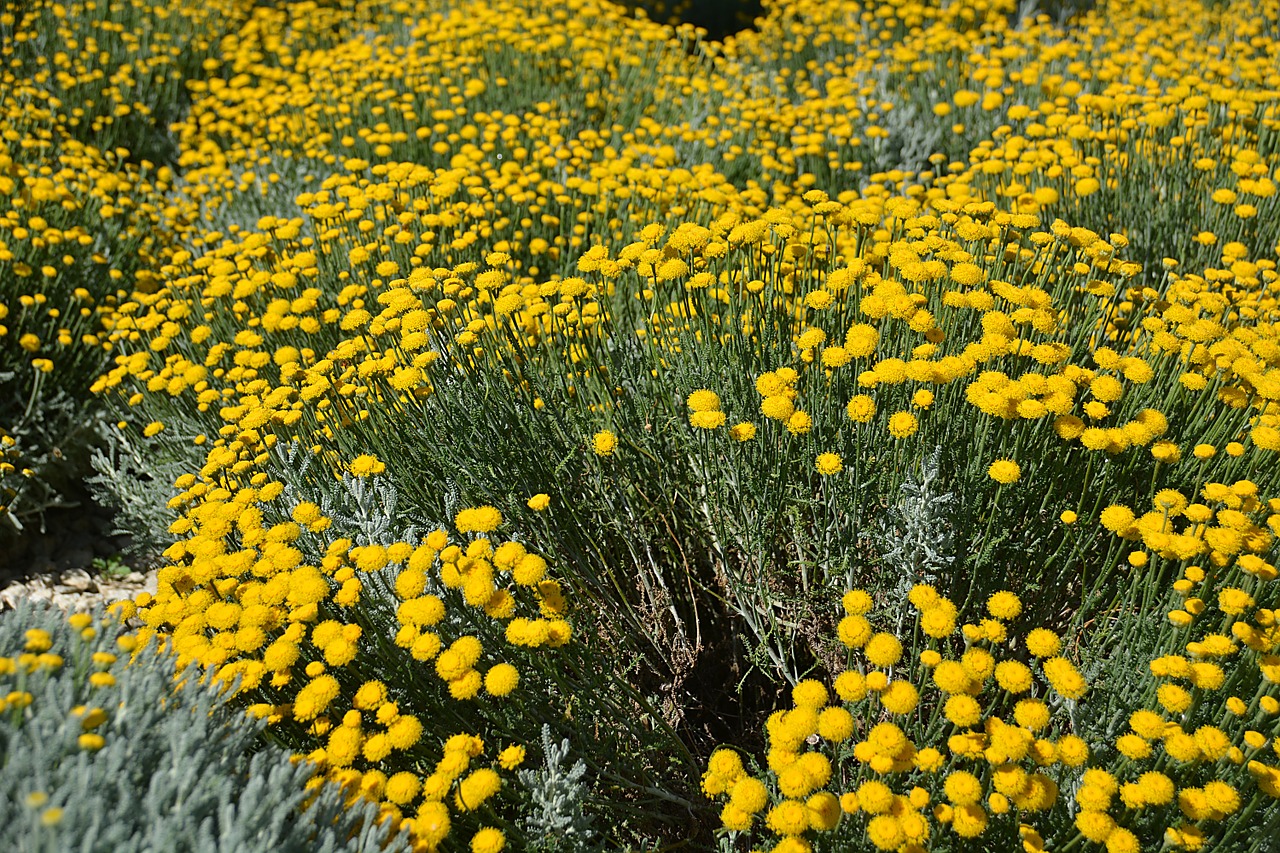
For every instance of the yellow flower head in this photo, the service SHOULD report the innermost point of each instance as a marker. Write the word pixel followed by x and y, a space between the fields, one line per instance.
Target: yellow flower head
pixel 1005 471
pixel 903 425
pixel 703 400
pixel 1004 605
pixel 828 464
pixel 604 443
pixel 366 465
pixel 482 519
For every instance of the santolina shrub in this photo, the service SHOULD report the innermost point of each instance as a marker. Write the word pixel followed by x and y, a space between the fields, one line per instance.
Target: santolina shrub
pixel 532 365
pixel 83 218
pixel 103 749
pixel 970 731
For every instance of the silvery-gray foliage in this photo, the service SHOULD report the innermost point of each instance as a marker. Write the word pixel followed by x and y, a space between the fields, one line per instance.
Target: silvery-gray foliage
pixel 180 771
pixel 363 507
pixel 558 821
pixel 916 536
pixel 52 432
pixel 132 479
pixel 912 138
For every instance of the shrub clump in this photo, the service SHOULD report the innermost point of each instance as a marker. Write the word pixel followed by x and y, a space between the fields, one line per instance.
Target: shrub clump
pixel 103 748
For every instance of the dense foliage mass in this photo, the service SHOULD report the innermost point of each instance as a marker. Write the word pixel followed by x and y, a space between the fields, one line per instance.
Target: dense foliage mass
pixel 100 750
pixel 858 433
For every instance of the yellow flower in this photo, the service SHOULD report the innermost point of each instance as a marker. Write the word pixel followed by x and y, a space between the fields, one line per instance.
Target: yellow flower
pixel 315 697
pixel 861 409
pixel 91 741
pixel 963 711
pixel 939 620
pixel 1013 676
pixel 604 442
pixel 37 640
pixel 402 788
pixel 511 757
pixel 835 724
pixel 1117 518
pixel 856 602
pixel 1072 750
pixel 366 465
pixel 1064 678
pixel 725 762
pixel 1005 471
pixel 488 840
pixel 788 817
pixel 900 697
pixel 501 679
pixel 1095 825
pixel 539 502
pixel 1032 714
pixel 476 788
pixel 431 824
pixel 851 686
pixel 1004 605
pixel 404 732
pixel 854 631
pixel 903 425
pixel 969 821
pixel 885 832
pixel 749 794
pixel 1043 643
pixel 883 650
pixel 874 797
pixel 1173 698
pixel 828 463
pixel 482 519
pixel 703 400
pixel 734 818
pixel 777 407
pixel 962 788
pixel 1087 187
pixel 706 420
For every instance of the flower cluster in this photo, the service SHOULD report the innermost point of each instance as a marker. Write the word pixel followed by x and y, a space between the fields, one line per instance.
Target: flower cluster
pixel 915 743
pixel 1199 746
pixel 332 642
pixel 698 319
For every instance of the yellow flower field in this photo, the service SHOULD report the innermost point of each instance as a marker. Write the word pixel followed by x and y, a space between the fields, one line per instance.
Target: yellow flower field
pixel 860 433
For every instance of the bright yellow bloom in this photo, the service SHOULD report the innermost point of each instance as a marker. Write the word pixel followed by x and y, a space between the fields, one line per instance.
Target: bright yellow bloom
pixel 604 443
pixel 903 425
pixel 828 464
pixel 1005 471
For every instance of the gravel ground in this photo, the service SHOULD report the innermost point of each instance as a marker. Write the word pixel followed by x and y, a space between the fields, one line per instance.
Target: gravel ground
pixel 56 563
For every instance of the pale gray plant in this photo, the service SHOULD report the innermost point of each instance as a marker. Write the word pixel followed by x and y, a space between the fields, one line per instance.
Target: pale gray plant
pixel 558 821
pixel 132 479
pixel 362 507
pixel 916 535
pixel 913 137
pixel 180 769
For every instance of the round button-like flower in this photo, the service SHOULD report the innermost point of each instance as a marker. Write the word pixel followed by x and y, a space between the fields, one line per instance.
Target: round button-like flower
pixel 903 425
pixel 1005 471
pixel 828 464
pixel 604 443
